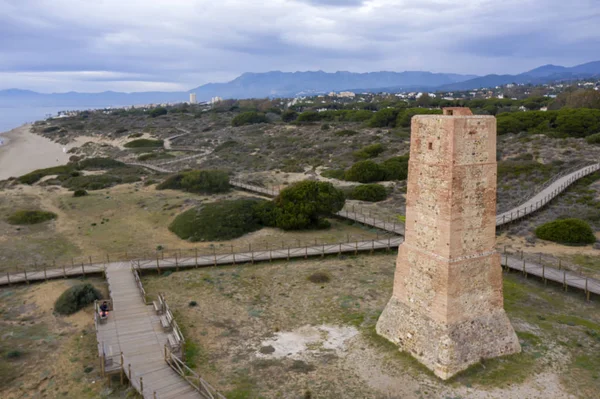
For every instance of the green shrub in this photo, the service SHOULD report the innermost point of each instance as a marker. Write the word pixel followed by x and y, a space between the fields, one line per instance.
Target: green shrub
pixel 14 354
pixel 80 193
pixel 370 151
pixel 249 118
pixel 217 221
pixel 266 212
pixel 301 205
pixel 155 155
pixel 566 231
pixel 334 174
pixel 365 172
pixel 345 132
pixel 197 181
pixel 369 192
pixel 158 111
pixel 144 143
pixel 135 135
pixel 76 298
pixel 325 126
pixel 30 217
pixel 289 116
pixel 395 168
pixel 99 163
pixel 36 175
pixel 593 139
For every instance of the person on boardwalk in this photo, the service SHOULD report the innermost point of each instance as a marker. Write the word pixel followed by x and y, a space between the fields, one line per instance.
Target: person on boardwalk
pixel 104 309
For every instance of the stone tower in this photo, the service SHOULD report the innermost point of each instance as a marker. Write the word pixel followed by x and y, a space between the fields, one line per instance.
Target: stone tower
pixel 447 307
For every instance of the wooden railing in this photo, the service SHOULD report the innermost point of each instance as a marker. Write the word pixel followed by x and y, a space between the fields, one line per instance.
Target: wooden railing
pixel 193 378
pixel 530 207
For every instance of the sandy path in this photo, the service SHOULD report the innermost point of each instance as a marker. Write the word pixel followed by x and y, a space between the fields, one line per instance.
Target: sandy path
pixel 24 152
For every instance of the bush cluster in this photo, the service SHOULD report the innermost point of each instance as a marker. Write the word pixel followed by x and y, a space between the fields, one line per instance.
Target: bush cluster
pixel 197 181
pixel 145 143
pixel 566 231
pixel 249 118
pixel 76 298
pixel 395 168
pixel 99 163
pixel 24 217
pixel 573 122
pixel 368 192
pixel 158 111
pixel 300 206
pixel 218 221
pixel 346 133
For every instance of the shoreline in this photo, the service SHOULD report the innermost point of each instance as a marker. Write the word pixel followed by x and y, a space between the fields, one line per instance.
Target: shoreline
pixel 24 152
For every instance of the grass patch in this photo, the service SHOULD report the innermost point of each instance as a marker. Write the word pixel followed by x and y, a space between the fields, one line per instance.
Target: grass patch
pixel 36 175
pixel 99 164
pixel 27 217
pixel 155 156
pixel 334 174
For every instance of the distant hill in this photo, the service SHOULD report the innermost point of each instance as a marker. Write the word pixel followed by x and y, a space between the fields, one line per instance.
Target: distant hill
pixel 540 75
pixel 285 84
pixel 289 84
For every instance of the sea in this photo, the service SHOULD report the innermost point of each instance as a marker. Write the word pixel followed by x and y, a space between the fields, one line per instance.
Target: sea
pixel 13 117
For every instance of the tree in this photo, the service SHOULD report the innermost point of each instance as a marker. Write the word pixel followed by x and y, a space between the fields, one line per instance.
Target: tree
pixel 578 122
pixel 302 205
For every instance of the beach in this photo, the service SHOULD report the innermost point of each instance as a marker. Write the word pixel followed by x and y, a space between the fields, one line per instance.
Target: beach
pixel 23 152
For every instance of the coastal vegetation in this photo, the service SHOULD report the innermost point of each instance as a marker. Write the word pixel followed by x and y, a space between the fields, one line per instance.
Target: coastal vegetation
pixel 368 192
pixel 197 181
pixel 76 298
pixel 567 231
pixel 144 143
pixel 24 217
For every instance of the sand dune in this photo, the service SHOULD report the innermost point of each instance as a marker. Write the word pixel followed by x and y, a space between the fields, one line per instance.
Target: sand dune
pixel 24 152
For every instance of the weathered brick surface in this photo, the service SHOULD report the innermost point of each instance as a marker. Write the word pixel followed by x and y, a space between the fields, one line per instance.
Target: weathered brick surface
pixel 447 308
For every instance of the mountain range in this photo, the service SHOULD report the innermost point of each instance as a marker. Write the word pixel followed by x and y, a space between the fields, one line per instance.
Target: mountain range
pixel 289 84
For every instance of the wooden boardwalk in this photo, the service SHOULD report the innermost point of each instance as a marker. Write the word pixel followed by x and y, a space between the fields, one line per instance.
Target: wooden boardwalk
pixel 133 329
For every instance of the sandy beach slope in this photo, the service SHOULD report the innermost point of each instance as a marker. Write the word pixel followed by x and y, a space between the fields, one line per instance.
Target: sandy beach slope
pixel 24 152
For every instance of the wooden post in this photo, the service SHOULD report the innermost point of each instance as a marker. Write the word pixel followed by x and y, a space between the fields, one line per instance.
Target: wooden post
pixel 107 259
pixel 25 271
pixel 288 255
pixel 176 263
pixel 565 279
pixel 157 264
pixel 64 271
pixel 142 386
pixel 270 255
pixel 130 374
pixel 524 272
pixel 8 277
pixel 559 263
pixel 82 269
pixel 372 247
pixel 122 369
pixel 45 276
pixel 544 275
pixel 389 241
pixel 587 293
pixel 196 257
pixel 215 255
pixel 355 247
pixel 306 252
pixel 340 250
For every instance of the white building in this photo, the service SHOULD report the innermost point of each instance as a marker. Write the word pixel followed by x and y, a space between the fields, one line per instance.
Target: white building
pixel 215 100
pixel 193 98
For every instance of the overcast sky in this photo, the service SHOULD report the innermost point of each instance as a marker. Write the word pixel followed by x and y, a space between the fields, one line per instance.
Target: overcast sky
pixel 143 45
